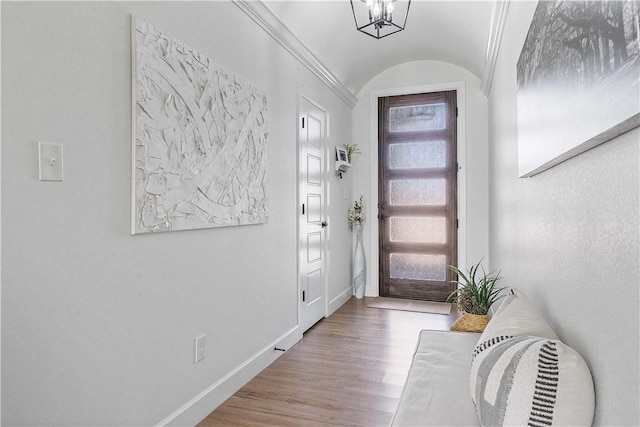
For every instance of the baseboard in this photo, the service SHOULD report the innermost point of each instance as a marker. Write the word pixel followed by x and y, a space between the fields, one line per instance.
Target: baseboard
pixel 338 301
pixel 197 409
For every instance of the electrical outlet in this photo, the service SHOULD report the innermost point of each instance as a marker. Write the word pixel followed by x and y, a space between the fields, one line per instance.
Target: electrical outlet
pixel 200 347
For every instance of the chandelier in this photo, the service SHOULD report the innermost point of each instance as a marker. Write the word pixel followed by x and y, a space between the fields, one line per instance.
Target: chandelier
pixel 380 18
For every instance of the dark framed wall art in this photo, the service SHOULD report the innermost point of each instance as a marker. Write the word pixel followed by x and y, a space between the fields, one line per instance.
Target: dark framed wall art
pixel 578 80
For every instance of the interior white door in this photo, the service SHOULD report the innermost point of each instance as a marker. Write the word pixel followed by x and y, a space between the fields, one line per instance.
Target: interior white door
pixel 311 213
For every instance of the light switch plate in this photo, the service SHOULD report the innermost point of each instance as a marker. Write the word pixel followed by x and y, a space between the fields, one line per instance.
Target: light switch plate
pixel 50 161
pixel 201 342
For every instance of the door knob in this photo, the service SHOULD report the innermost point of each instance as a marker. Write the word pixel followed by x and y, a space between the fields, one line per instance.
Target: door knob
pixel 324 224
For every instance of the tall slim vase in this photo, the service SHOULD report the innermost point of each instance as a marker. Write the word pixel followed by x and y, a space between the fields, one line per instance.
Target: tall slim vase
pixel 359 264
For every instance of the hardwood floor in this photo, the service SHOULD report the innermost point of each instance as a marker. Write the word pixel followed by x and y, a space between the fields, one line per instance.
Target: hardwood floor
pixel 348 370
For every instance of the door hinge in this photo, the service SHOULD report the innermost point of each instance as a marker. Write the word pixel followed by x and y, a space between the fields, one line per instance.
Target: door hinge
pixel 303 209
pixel 303 123
pixel 304 296
pixel 457 223
pixel 456 113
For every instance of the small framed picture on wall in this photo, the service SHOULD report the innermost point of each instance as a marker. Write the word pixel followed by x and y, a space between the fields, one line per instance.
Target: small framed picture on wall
pixel 341 154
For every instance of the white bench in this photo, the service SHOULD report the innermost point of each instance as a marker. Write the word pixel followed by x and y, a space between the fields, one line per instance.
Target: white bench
pixel 522 374
pixel 436 392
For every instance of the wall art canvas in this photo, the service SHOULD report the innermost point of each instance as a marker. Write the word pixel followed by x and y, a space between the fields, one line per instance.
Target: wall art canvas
pixel 578 80
pixel 199 139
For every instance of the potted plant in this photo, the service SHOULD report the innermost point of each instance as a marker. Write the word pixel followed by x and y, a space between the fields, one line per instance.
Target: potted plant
pixel 351 149
pixel 476 293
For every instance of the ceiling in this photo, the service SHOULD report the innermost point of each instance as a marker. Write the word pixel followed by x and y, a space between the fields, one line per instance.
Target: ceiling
pixel 457 32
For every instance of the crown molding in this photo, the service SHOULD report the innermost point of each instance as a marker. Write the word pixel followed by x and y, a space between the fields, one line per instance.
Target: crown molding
pixel 261 14
pixel 498 18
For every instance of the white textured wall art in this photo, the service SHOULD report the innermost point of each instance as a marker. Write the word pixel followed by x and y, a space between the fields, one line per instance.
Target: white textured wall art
pixel 199 139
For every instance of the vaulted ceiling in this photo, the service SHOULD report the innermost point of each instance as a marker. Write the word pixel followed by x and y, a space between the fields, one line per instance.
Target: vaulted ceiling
pixel 323 33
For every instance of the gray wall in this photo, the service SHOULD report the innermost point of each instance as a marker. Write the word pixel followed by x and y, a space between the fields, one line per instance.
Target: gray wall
pixel 97 325
pixel 568 238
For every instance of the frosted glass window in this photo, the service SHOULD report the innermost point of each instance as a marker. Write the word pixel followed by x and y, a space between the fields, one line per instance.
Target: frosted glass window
pixel 418 267
pixel 418 192
pixel 418 155
pixel 417 118
pixel 420 230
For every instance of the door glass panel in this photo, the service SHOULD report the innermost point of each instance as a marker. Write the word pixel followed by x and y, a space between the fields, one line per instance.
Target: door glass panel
pixel 418 267
pixel 418 155
pixel 419 230
pixel 418 192
pixel 417 118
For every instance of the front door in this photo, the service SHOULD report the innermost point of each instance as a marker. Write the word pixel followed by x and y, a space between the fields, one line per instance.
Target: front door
pixel 417 197
pixel 311 214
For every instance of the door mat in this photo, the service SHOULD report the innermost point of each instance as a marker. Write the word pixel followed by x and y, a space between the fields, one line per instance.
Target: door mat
pixel 411 305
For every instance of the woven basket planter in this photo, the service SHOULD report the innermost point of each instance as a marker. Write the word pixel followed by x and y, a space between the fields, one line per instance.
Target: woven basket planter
pixel 471 323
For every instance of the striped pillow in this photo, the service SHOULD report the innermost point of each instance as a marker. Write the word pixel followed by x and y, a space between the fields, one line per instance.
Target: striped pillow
pixel 531 381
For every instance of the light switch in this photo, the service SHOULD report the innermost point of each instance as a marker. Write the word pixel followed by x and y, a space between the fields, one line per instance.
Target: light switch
pixel 50 161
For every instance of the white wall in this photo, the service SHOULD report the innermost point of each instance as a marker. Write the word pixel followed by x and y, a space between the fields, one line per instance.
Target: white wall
pixel 98 325
pixel 568 238
pixel 417 77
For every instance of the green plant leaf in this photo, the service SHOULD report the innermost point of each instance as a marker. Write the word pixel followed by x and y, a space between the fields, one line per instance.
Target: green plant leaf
pixel 477 290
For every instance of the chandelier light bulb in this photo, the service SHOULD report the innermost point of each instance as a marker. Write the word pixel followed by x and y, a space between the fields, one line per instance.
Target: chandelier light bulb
pixel 376 11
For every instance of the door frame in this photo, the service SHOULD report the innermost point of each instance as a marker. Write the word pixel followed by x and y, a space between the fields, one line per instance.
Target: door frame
pixel 459 87
pixel 324 250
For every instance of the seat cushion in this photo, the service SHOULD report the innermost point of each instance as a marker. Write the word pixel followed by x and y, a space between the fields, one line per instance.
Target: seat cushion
pixel 436 392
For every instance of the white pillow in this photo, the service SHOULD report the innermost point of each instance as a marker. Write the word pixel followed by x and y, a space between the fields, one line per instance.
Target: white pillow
pixel 531 381
pixel 517 316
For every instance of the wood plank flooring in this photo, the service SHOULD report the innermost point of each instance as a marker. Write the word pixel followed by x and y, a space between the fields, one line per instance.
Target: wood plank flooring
pixel 348 370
